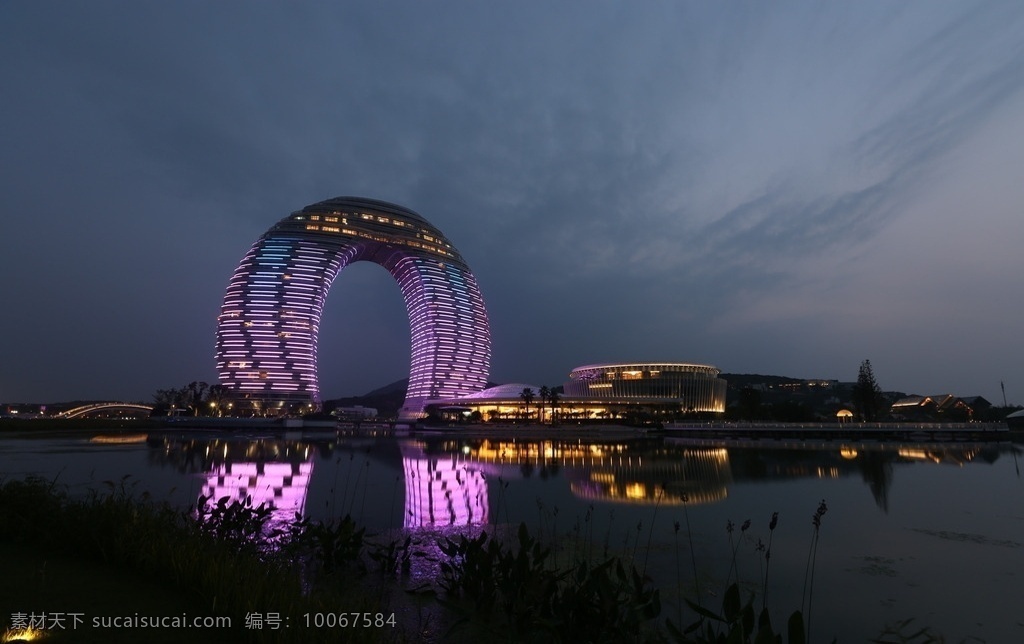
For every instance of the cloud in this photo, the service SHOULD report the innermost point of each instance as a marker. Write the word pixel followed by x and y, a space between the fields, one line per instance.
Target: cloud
pixel 723 166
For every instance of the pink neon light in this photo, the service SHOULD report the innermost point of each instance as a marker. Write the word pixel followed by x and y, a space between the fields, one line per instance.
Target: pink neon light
pixel 442 492
pixel 451 346
pixel 281 486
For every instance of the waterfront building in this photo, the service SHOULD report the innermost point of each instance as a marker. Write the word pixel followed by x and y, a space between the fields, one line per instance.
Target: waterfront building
pixel 1015 420
pixel 604 392
pixel 498 403
pixel 659 388
pixel 267 332
pixel 935 407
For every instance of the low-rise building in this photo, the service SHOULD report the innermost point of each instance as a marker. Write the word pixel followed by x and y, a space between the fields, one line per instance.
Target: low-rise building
pixel 609 391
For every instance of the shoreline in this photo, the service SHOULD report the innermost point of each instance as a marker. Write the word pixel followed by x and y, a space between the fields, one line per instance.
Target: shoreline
pixel 913 432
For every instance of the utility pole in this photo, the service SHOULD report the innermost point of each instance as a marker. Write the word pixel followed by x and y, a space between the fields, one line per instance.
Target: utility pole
pixel 1003 387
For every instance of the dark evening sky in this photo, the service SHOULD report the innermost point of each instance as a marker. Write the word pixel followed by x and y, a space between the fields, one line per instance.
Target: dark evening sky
pixel 784 188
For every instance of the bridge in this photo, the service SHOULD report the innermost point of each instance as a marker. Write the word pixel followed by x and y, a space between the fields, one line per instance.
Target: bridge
pixel 94 409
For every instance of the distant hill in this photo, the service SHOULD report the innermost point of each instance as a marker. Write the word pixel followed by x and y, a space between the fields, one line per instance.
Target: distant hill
pixel 387 400
pixel 741 380
pixel 397 386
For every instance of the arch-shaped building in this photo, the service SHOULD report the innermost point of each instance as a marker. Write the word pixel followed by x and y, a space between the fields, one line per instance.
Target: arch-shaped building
pixel 270 320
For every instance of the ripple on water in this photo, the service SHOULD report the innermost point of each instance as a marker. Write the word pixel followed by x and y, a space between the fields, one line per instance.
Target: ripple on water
pixel 966 537
pixel 878 566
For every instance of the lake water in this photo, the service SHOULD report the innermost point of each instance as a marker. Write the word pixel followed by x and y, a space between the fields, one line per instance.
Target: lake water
pixel 929 531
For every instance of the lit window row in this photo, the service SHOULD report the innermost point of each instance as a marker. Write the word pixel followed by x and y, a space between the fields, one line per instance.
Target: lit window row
pixel 270 319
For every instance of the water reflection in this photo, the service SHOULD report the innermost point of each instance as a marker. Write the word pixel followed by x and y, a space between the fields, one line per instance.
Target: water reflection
pixel 637 471
pixel 873 462
pixel 948 534
pixel 646 471
pixel 279 486
pixel 448 482
pixel 272 473
pixel 443 490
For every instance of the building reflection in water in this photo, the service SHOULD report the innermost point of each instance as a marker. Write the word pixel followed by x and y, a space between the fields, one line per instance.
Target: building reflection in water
pixel 442 491
pixel 282 487
pixel 872 461
pixel 446 481
pixel 449 486
pixel 667 477
pixel 261 472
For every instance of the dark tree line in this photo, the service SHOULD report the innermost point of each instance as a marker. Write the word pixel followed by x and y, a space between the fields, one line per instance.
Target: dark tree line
pixel 197 397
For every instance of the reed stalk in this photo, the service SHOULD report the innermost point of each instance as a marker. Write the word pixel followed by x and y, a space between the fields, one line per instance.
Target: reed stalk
pixel 693 555
pixel 807 596
pixel 768 558
pixel 654 517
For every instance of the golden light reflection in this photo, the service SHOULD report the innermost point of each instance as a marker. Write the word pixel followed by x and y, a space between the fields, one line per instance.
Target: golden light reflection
pixel 501 451
pixel 613 471
pixel 29 634
pixel 602 477
pixel 119 439
pixel 636 491
pixel 848 453
pixel 919 455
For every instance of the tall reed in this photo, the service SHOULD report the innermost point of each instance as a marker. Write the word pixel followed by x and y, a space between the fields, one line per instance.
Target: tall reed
pixel 734 547
pixel 768 558
pixel 693 555
pixel 807 596
pixel 650 534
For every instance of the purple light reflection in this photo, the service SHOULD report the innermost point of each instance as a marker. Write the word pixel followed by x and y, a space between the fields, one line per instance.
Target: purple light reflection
pixel 443 492
pixel 281 486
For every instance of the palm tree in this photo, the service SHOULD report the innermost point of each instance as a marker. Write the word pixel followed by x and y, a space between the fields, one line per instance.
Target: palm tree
pixel 195 390
pixel 215 395
pixel 527 396
pixel 544 394
pixel 553 399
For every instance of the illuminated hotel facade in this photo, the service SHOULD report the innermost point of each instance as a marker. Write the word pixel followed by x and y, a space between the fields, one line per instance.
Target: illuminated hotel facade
pixel 267 332
pixel 693 387
pixel 607 391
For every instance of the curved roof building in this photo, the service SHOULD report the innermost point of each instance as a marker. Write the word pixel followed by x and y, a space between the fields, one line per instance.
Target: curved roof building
pixel 270 319
pixel 605 392
pixel 694 387
pixel 509 391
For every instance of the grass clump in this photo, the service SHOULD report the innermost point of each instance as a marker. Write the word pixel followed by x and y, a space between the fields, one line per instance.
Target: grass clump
pixel 517 594
pixel 220 558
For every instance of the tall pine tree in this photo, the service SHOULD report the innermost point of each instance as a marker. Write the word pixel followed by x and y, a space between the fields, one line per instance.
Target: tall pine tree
pixel 867 395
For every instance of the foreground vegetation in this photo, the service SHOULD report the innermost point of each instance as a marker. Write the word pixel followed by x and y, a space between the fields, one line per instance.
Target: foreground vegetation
pixel 225 558
pixel 215 561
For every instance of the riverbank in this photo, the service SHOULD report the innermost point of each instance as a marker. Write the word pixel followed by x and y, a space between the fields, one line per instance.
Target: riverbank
pixel 72 592
pixel 934 432
pixel 298 428
pixel 113 568
pixel 23 425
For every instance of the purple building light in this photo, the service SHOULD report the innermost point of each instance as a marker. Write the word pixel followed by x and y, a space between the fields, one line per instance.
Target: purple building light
pixel 270 319
pixel 279 485
pixel 443 491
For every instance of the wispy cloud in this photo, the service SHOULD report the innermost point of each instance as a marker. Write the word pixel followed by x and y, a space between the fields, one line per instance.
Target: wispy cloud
pixel 706 161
